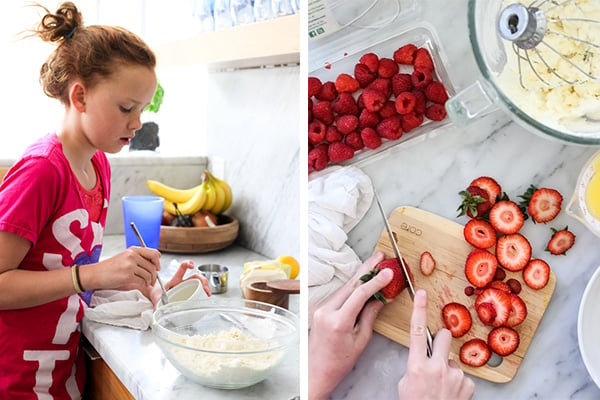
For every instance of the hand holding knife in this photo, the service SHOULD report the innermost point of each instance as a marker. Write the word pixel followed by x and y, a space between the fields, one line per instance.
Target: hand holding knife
pixel 394 245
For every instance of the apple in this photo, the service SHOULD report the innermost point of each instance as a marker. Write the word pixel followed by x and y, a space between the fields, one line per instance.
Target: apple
pixel 167 218
pixel 199 219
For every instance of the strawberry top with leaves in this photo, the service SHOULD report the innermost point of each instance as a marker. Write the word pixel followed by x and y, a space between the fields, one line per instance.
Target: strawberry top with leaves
pixel 475 202
pixel 396 285
pixel 490 185
pixel 542 204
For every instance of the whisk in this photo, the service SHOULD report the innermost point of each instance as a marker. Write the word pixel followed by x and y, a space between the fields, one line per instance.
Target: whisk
pixel 540 30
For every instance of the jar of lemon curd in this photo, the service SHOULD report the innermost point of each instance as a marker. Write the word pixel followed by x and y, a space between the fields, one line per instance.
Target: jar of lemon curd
pixel 585 202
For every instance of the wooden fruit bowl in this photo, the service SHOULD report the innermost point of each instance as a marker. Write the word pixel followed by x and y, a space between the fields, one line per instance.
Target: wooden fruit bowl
pixel 174 239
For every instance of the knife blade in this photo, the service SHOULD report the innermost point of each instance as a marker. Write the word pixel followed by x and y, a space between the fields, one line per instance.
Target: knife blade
pixel 409 283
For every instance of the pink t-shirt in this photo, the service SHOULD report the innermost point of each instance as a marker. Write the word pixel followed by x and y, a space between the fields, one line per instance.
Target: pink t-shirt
pixel 42 201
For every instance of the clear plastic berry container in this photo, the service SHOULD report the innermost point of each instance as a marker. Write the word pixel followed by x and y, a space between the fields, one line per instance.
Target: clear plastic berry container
pixel 328 64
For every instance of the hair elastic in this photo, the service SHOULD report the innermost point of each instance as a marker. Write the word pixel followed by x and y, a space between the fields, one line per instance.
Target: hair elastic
pixel 70 34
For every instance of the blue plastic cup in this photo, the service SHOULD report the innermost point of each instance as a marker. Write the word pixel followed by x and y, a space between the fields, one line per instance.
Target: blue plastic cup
pixel 146 213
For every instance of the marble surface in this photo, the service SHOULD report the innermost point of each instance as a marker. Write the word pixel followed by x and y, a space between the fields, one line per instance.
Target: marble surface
pixel 139 363
pixel 429 174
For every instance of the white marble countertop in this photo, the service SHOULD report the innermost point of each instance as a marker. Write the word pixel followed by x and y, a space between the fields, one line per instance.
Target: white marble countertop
pixel 429 174
pixel 139 363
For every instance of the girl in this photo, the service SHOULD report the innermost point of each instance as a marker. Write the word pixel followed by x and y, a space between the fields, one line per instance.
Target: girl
pixel 53 205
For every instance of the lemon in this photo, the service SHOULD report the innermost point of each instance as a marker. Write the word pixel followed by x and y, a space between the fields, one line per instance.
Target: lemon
pixel 293 264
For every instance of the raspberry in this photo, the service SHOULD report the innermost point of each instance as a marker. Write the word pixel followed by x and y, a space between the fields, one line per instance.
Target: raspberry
pixel 318 157
pixel 316 132
pixel 384 85
pixel 421 103
pixel 310 104
pixel 363 75
pixel 368 119
pixel 323 112
pixel 332 134
pixel 345 104
pixel 390 128
pixel 435 112
pixel 387 68
pixel 405 103
pixel 401 83
pixel 405 54
pixel 310 116
pixel 346 124
pixel 327 92
pixel 371 60
pixel 423 59
pixel 339 152
pixel 436 92
pixel 346 83
pixel 354 140
pixel 373 99
pixel 314 86
pixel 388 110
pixel 420 78
pixel 370 138
pixel 411 121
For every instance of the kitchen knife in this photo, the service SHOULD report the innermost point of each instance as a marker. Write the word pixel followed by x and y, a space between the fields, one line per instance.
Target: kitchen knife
pixel 409 283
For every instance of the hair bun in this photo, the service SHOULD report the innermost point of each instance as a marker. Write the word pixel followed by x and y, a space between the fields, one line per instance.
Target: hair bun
pixel 60 25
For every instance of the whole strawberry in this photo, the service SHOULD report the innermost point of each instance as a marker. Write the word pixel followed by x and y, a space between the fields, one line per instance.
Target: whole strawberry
pixel 396 285
pixel 475 202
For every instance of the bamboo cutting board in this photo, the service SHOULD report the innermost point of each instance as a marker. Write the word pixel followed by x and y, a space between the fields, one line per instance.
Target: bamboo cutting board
pixel 416 231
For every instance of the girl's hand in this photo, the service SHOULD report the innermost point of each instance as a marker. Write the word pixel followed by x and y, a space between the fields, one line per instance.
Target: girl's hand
pixel 178 277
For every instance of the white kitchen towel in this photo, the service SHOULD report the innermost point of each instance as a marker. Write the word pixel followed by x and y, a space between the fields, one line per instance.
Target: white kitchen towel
pixel 129 308
pixel 338 198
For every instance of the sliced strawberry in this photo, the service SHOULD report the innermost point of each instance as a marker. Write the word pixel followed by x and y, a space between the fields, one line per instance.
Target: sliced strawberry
pixel 480 267
pixel 513 251
pixel 490 185
pixel 514 285
pixel 561 241
pixel 542 204
pixel 499 285
pixel 475 352
pixel 486 313
pixel 536 274
pixel 506 217
pixel 475 202
pixel 457 319
pixel 518 311
pixel 480 233
pixel 501 302
pixel 427 263
pixel 503 340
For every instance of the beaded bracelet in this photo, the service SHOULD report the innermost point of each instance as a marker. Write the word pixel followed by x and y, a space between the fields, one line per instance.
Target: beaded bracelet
pixel 75 277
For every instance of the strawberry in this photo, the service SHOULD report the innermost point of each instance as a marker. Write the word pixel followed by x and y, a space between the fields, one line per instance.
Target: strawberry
pixel 457 319
pixel 542 204
pixel 490 185
pixel 323 112
pixel 373 99
pixel 469 290
pixel 475 352
pixel 486 313
pixel 513 251
pixel 411 121
pixel 344 104
pixel 314 86
pixel 363 75
pixel 475 202
pixel 387 68
pixel 368 119
pixel 514 285
pixel 346 124
pixel 436 92
pixel 346 83
pixel 405 103
pixel 339 152
pixel 318 158
pixel 327 92
pixel 536 274
pixel 506 217
pixel 388 109
pixel 500 286
pixel 500 274
pixel 371 60
pixel 435 112
pixel 405 54
pixel 427 263
pixel 354 140
pixel 479 233
pixel 420 78
pixel 561 241
pixel 501 302
pixel 384 85
pixel 370 138
pixel 480 267
pixel 401 83
pixel 316 132
pixel 518 311
pixel 332 135
pixel 423 59
pixel 396 285
pixel 390 128
pixel 503 340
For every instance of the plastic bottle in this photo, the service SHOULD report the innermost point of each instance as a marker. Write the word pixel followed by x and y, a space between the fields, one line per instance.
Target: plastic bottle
pixel 204 12
pixel 281 7
pixel 262 10
pixel 222 15
pixel 242 12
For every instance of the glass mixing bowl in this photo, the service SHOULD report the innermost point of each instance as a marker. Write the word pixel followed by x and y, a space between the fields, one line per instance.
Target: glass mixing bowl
pixel 550 102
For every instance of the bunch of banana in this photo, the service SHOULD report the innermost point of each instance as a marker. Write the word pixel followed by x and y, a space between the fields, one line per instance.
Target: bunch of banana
pixel 212 195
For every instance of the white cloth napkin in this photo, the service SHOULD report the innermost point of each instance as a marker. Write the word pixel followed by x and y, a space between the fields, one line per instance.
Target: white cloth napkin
pixel 338 198
pixel 129 308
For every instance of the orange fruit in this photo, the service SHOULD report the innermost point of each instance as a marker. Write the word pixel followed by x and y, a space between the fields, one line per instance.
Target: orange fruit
pixel 293 264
